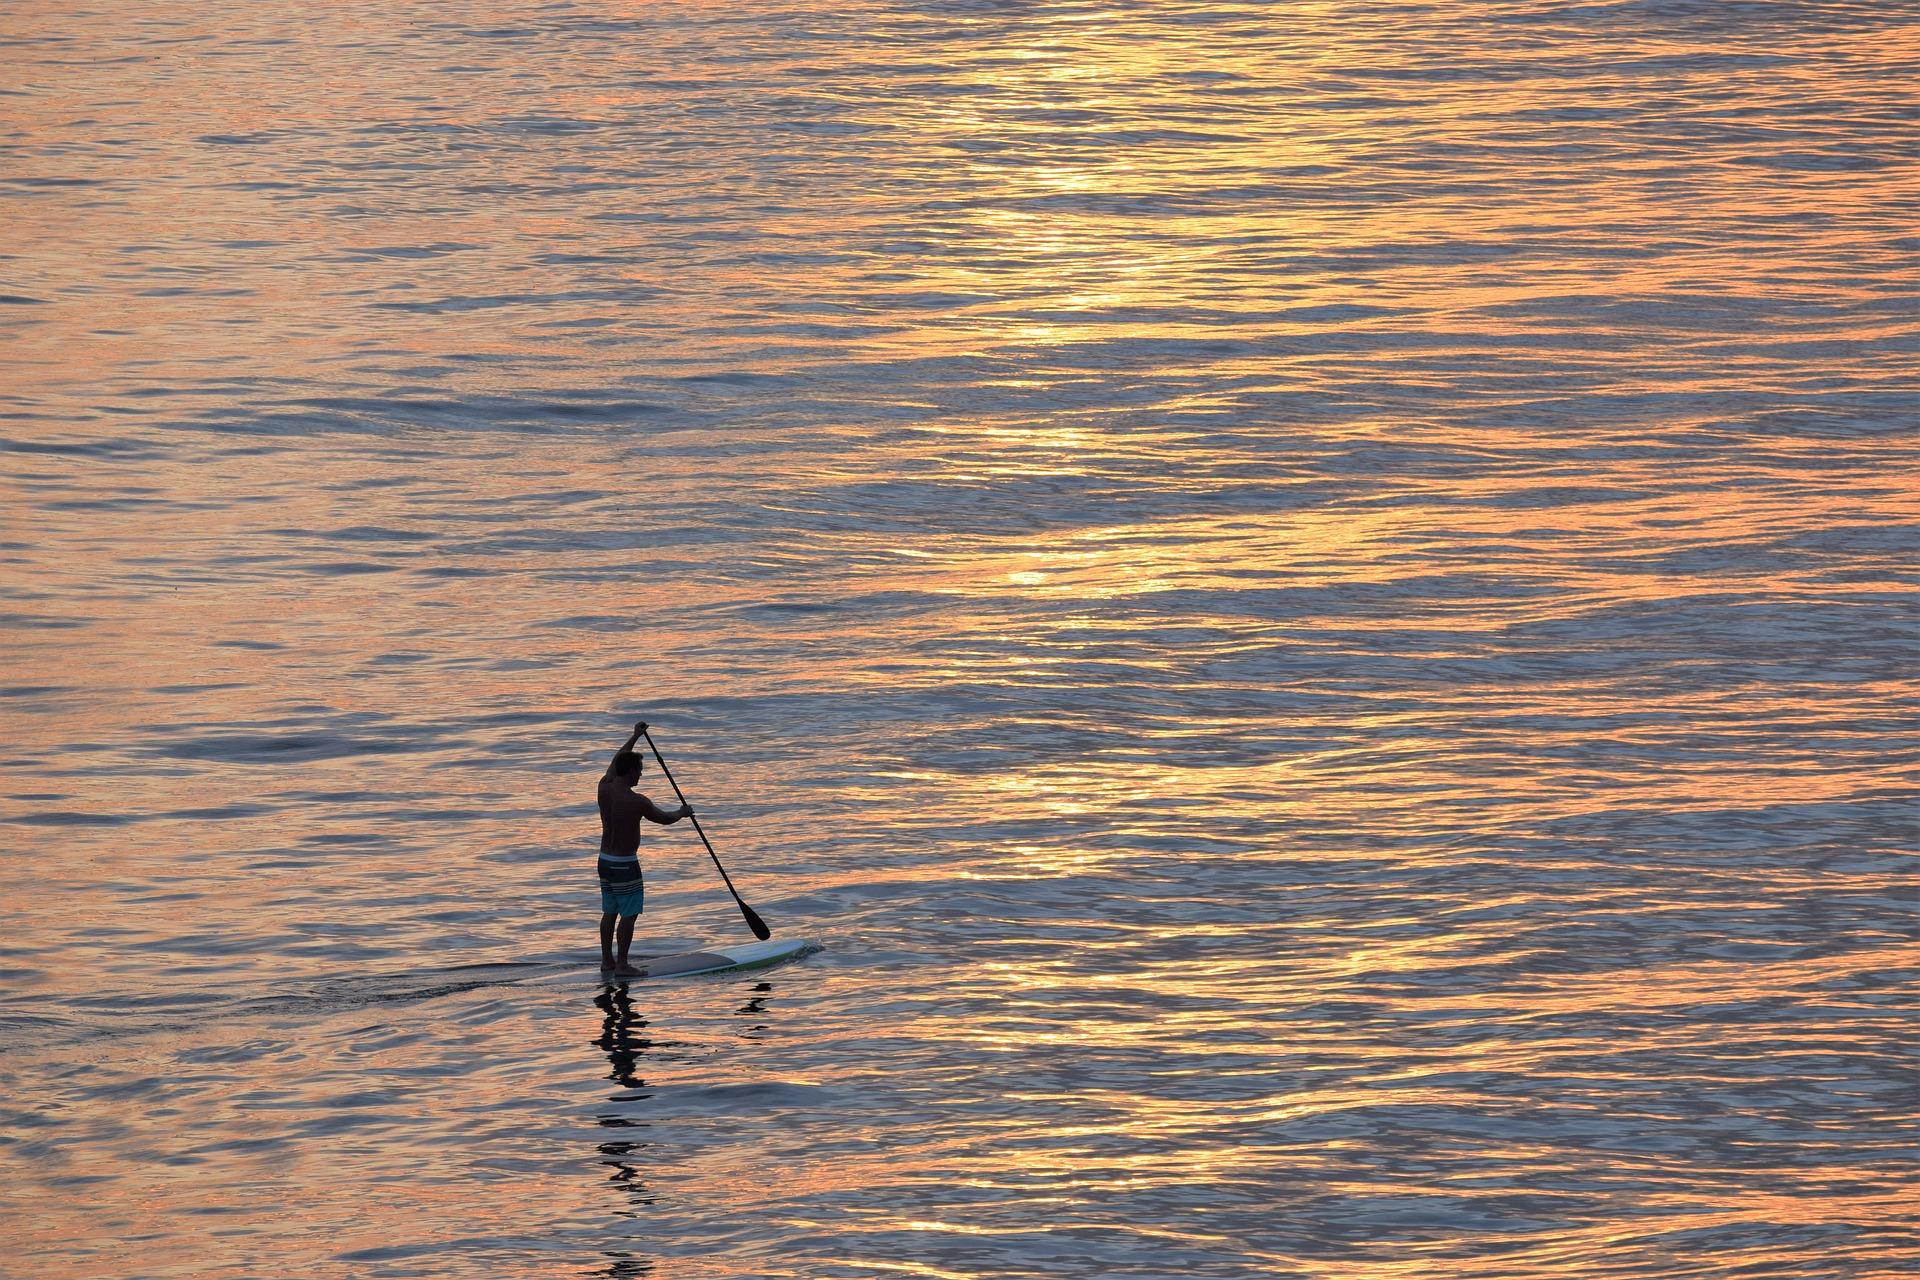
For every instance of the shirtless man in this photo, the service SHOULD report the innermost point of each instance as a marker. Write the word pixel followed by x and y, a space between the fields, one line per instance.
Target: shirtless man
pixel 622 894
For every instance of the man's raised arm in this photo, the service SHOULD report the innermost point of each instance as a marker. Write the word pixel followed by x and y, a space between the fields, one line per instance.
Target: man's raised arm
pixel 638 729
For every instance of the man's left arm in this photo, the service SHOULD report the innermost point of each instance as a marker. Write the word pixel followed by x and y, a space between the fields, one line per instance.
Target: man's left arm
pixel 638 729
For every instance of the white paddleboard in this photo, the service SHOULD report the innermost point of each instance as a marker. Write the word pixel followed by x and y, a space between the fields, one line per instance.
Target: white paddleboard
pixel 747 955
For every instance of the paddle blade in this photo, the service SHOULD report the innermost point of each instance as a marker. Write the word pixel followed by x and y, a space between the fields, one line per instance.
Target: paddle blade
pixel 755 923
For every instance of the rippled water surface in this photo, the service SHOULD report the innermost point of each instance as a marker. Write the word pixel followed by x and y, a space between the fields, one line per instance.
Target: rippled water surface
pixel 1311 602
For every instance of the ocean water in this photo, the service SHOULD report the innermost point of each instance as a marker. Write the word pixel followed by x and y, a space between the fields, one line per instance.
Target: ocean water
pixel 1312 604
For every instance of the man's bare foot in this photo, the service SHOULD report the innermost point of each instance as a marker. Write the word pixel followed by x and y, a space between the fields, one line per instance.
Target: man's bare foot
pixel 628 971
pixel 606 962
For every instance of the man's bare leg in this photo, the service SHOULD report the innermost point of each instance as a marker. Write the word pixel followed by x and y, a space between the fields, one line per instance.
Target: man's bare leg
pixel 626 941
pixel 606 940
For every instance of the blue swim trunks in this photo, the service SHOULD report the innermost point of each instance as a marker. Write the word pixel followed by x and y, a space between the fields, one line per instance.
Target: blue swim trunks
pixel 621 890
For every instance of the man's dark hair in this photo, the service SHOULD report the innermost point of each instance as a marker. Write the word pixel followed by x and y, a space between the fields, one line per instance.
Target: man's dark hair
pixel 627 764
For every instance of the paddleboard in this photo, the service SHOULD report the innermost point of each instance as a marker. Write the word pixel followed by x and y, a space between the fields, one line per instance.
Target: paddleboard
pixel 747 955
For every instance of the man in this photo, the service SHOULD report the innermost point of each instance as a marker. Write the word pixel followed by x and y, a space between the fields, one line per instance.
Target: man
pixel 622 894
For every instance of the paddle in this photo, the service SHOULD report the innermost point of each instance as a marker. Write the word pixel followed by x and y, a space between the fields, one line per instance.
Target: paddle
pixel 754 922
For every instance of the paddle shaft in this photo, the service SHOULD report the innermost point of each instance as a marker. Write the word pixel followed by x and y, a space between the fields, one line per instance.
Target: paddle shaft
pixel 752 917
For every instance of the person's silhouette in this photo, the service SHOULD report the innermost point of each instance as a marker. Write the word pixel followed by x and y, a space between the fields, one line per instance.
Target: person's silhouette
pixel 622 892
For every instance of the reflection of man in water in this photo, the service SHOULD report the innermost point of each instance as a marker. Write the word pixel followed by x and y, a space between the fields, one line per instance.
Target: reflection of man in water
pixel 622 894
pixel 622 1037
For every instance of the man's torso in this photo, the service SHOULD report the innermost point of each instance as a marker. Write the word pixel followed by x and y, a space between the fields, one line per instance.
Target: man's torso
pixel 619 832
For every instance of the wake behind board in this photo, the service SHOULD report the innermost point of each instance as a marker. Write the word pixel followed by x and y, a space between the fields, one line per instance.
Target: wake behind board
pixel 748 955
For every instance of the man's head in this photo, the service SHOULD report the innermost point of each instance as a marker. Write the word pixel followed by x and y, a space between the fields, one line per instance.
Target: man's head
pixel 627 765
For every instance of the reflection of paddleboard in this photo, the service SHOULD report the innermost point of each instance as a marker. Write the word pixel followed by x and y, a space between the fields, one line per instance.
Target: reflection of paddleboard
pixel 748 955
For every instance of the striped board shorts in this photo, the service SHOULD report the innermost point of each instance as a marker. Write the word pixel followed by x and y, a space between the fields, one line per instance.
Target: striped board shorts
pixel 621 890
